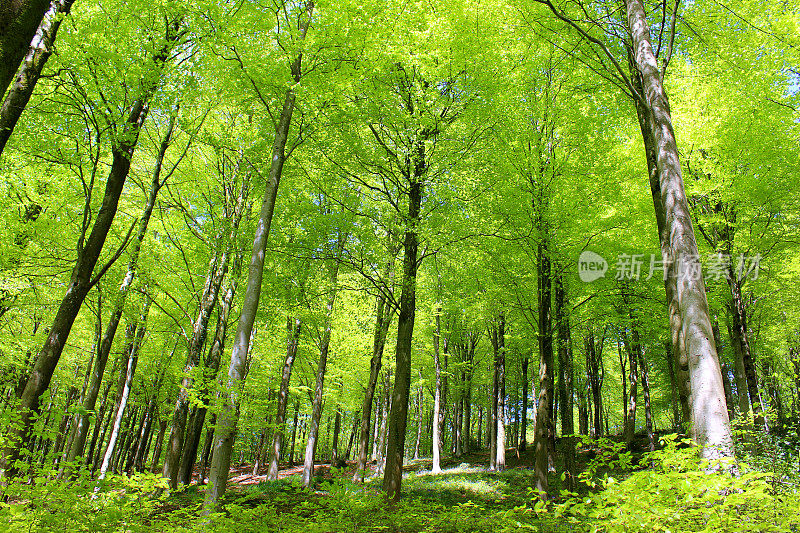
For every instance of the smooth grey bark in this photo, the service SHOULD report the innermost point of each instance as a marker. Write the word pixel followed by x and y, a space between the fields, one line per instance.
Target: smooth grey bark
pixel 293 326
pixel 498 335
pixel 82 419
pixel 228 417
pixel 83 277
pixel 31 69
pixel 689 320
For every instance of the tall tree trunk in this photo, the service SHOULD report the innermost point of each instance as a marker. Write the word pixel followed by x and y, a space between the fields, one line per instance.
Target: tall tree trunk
pixel 648 412
pixel 523 441
pixel 469 371
pixel 208 300
pixel 438 414
pixel 500 365
pixel 337 426
pixel 133 359
pixel 162 430
pixel 740 336
pixel 383 428
pixel 294 430
pixel 420 418
pixel 90 399
pixel 316 406
pixel 31 69
pixel 292 338
pixel 630 408
pixel 545 371
pixel 673 385
pixel 382 323
pixel 228 417
pixel 565 378
pixel 192 442
pixel 723 367
pixel 182 449
pixel 393 475
pixel 88 254
pixel 689 319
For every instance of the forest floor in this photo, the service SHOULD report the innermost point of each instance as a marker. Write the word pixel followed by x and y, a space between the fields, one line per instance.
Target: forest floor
pixel 465 496
pixel 669 490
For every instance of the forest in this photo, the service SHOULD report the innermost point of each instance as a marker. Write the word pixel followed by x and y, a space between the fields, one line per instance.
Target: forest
pixel 400 265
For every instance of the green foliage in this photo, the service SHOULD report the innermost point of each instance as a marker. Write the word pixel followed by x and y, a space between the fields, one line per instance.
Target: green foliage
pixel 117 503
pixel 679 493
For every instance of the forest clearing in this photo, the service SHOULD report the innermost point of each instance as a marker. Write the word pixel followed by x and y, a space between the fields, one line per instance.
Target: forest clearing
pixel 402 265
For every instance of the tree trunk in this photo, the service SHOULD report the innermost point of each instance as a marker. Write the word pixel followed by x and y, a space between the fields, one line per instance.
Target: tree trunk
pixel 565 379
pixel 31 69
pixel 216 272
pixel 316 406
pixel 337 426
pixel 500 365
pixel 741 338
pixel 438 415
pixel 294 430
pixel 90 400
pixel 673 385
pixel 382 323
pixel 292 338
pixel 393 475
pixel 19 20
pixel 630 408
pixel 192 442
pixel 228 416
pixel 689 319
pixel 88 254
pixel 162 429
pixel 133 359
pixel 545 371
pixel 648 413
pixel 523 441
